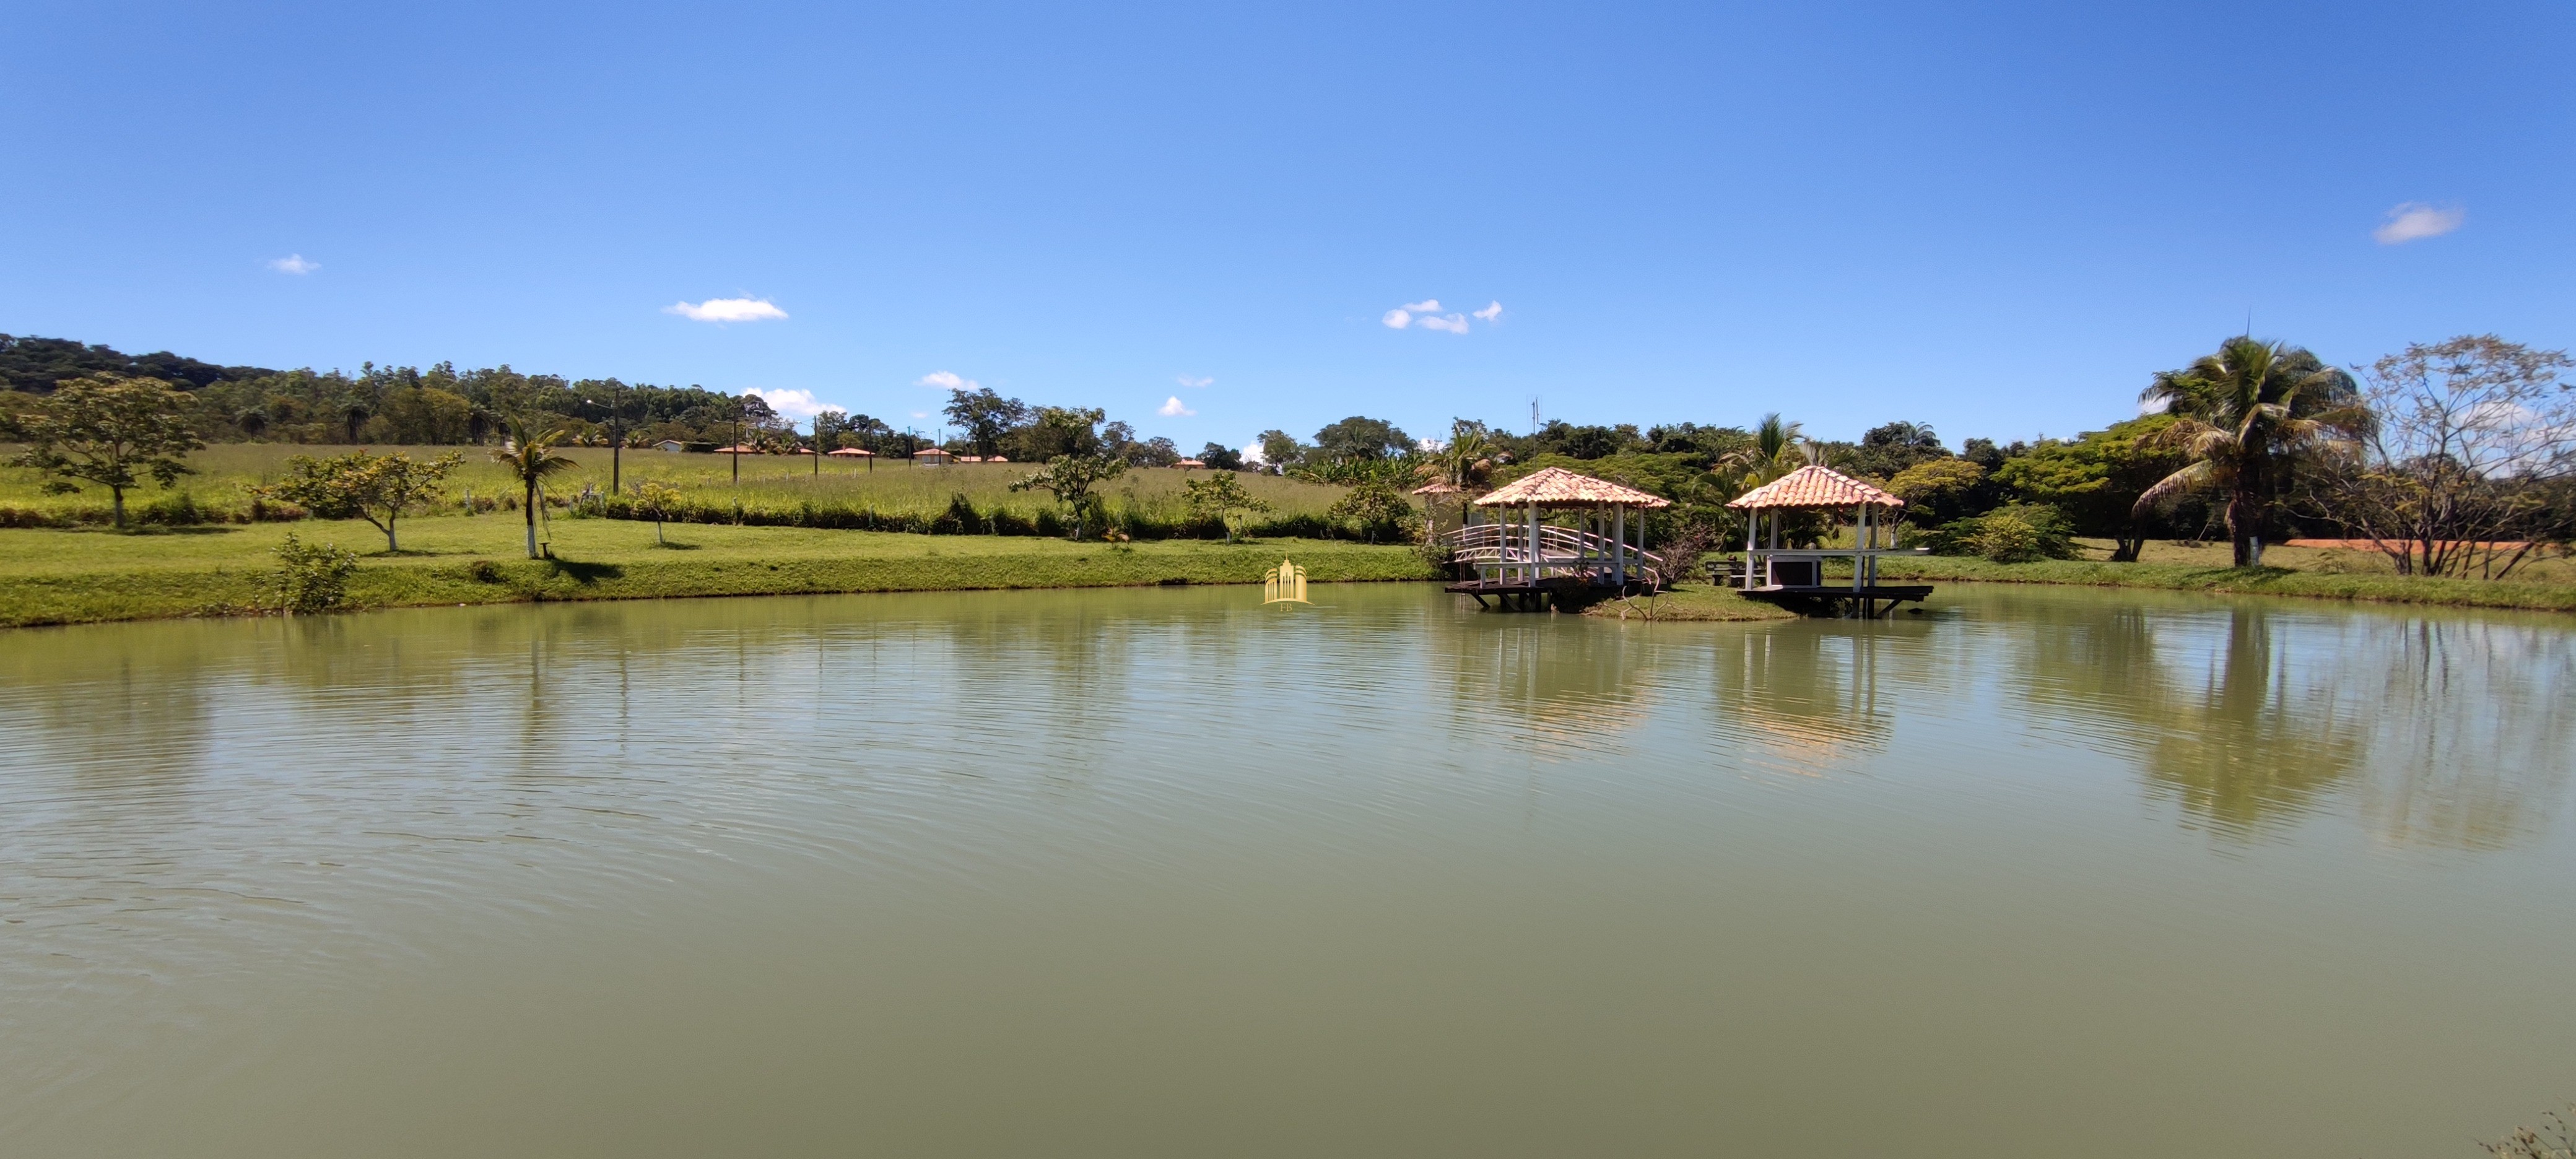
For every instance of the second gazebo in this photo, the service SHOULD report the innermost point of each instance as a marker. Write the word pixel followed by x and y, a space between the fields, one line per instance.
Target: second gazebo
pixel 1795 575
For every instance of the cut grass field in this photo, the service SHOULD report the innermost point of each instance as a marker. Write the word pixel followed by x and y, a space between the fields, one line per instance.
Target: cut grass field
pixel 56 577
pixel 770 483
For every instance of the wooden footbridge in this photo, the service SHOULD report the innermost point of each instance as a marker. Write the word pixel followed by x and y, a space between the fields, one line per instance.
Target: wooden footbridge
pixel 1520 562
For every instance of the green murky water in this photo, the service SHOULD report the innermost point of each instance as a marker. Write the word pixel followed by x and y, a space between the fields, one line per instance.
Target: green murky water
pixel 2044 872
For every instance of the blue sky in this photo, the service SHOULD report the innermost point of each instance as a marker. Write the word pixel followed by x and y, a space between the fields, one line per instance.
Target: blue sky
pixel 1998 220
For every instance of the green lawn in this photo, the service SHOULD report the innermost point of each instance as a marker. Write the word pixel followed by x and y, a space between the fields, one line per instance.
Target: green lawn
pixel 51 576
pixel 1692 601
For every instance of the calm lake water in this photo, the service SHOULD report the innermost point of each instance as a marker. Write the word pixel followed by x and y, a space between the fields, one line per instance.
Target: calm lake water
pixel 1163 872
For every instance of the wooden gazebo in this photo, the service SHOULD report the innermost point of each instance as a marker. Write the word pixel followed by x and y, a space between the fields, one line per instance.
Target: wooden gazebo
pixel 1522 560
pixel 1795 575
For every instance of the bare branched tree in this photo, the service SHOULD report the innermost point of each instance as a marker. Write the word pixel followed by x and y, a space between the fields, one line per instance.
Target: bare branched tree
pixel 2458 472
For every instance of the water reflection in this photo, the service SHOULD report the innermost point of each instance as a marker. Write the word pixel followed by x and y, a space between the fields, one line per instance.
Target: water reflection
pixel 2250 716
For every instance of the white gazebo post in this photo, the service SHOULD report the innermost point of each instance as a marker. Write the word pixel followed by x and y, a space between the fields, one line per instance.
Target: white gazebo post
pixel 1619 553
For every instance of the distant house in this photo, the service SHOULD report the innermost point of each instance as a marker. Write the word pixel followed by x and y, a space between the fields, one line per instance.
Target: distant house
pixel 1188 464
pixel 737 450
pixel 996 459
pixel 671 445
pixel 970 458
pixel 932 457
pixel 851 453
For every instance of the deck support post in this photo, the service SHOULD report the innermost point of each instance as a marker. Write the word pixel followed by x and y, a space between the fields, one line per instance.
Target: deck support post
pixel 1619 554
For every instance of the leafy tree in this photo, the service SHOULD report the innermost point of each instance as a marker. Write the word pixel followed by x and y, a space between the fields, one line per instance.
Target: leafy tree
pixel 1280 451
pixel 108 431
pixel 1887 451
pixel 377 488
pixel 2096 479
pixel 1221 457
pixel 530 458
pixel 2248 417
pixel 1938 491
pixel 1070 479
pixel 1055 431
pixel 985 416
pixel 658 500
pixel 1154 452
pixel 1594 442
pixel 1222 497
pixel 1357 437
pixel 1377 506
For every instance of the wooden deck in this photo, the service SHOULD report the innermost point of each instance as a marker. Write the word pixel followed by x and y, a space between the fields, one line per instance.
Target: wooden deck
pixel 1839 600
pixel 1559 591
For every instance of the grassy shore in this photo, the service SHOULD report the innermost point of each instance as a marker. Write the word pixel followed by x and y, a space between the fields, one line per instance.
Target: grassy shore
pixel 55 577
pixel 2309 572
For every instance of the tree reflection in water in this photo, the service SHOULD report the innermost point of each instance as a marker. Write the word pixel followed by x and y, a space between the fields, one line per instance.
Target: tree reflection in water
pixel 2444 724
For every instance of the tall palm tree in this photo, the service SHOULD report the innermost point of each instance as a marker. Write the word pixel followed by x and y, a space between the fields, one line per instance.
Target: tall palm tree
pixel 2251 414
pixel 530 458
pixel 1778 448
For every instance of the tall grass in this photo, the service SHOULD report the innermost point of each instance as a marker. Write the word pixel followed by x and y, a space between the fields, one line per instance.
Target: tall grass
pixel 778 491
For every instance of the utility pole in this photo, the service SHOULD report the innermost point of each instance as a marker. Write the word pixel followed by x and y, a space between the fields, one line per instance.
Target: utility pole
pixel 1533 416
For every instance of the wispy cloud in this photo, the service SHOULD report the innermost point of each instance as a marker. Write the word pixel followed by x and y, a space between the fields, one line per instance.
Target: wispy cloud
pixel 727 310
pixel 293 264
pixel 2414 220
pixel 796 404
pixel 1427 314
pixel 1188 381
pixel 947 380
pixel 1172 409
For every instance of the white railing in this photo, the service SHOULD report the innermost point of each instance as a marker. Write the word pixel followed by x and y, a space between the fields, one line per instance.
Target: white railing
pixel 1500 553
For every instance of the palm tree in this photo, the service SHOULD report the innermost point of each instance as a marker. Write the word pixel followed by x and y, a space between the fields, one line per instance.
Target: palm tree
pixel 529 459
pixel 2250 414
pixel 1778 448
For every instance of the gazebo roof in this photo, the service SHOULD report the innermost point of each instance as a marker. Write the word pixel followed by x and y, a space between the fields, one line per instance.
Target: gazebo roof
pixel 1558 487
pixel 1814 486
pixel 1436 487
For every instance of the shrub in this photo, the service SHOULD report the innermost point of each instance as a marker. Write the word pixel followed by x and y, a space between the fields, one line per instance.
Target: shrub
pixel 2020 533
pixel 312 579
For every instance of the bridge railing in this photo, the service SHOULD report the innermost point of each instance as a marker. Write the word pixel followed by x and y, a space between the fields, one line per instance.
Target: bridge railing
pixel 1500 553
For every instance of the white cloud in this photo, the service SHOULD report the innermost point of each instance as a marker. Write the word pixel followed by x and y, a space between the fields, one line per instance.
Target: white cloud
pixel 796 404
pixel 947 380
pixel 921 414
pixel 1172 409
pixel 293 264
pixel 1427 315
pixel 1252 453
pixel 726 310
pixel 1186 380
pixel 2414 220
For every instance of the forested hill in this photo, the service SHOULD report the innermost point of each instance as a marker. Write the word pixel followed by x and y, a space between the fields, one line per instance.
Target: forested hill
pixel 36 364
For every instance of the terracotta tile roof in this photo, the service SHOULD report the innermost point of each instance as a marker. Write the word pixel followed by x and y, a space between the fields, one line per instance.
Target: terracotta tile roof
pixel 1558 487
pixel 852 451
pixel 1813 486
pixel 1436 487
